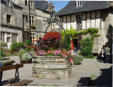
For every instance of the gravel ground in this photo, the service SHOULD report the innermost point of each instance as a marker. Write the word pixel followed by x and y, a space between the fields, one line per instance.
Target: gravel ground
pixel 80 73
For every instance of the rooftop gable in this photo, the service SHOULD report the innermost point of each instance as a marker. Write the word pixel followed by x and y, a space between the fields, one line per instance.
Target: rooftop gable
pixel 71 8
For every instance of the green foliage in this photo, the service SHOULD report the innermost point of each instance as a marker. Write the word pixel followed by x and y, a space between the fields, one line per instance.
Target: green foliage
pixel 13 46
pixel 93 77
pixel 20 45
pixel 1 54
pixel 27 49
pixel 92 30
pixel 74 32
pixel 26 56
pixel 49 54
pixel 89 56
pixel 87 45
pixel 21 53
pixel 3 44
pixel 16 46
pixel 68 41
pixel 77 59
pixel 28 42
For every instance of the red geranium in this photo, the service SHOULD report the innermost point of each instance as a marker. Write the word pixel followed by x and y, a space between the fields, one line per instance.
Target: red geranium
pixel 51 39
pixel 51 35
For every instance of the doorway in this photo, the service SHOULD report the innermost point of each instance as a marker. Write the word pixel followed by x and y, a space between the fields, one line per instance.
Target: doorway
pixel 76 43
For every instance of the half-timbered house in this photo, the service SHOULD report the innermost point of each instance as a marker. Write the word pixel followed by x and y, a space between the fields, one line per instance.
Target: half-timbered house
pixel 88 14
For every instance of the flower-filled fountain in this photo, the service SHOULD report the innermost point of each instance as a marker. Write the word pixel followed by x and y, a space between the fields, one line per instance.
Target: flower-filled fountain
pixel 51 61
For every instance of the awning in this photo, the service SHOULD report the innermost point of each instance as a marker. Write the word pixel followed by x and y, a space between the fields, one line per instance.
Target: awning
pixel 34 39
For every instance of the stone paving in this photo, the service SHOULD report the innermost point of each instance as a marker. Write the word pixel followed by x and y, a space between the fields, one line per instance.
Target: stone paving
pixel 86 69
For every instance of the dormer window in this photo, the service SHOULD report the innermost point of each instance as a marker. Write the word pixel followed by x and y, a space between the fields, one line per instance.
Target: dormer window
pixel 8 3
pixel 79 3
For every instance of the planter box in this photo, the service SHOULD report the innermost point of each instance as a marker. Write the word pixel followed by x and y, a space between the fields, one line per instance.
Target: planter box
pixel 53 67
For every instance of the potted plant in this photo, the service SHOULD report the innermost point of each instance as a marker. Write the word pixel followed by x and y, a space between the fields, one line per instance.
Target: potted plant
pixel 77 59
pixel 26 58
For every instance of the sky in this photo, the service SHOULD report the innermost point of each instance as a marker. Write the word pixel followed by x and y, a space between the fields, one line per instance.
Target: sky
pixel 59 4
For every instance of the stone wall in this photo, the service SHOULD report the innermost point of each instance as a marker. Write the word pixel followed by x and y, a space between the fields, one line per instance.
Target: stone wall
pixel 16 15
pixel 11 23
pixel 51 67
pixel 100 41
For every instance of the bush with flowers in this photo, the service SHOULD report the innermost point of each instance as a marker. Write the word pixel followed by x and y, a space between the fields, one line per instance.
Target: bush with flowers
pixel 51 40
pixel 62 53
pixel 50 44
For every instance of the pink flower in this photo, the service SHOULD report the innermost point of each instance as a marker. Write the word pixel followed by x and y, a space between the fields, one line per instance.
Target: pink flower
pixel 57 52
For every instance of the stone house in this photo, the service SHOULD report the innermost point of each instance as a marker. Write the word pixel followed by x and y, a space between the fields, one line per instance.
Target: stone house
pixel 22 19
pixel 11 24
pixel 42 14
pixel 88 14
pixel 29 26
pixel 17 20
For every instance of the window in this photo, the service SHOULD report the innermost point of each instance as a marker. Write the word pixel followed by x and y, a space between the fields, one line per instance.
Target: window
pixel 79 21
pixel 31 4
pixel 31 20
pixel 26 18
pixel 78 3
pixel 8 39
pixel 26 2
pixel 7 2
pixel 8 19
pixel 14 37
pixel 2 36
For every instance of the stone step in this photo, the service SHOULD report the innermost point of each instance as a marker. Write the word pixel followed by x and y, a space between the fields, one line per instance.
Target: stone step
pixel 52 66
pixel 49 59
pixel 51 74
pixel 49 62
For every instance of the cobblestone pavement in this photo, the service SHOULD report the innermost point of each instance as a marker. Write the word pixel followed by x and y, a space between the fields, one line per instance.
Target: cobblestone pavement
pixel 88 68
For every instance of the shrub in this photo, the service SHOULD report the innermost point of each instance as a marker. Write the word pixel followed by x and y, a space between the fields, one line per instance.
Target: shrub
pixel 26 56
pixel 21 53
pixel 1 54
pixel 68 41
pixel 16 46
pixel 28 42
pixel 87 45
pixel 51 40
pixel 27 49
pixel 20 45
pixel 3 44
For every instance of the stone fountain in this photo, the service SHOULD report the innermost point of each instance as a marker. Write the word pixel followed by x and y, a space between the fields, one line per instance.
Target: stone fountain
pixel 54 67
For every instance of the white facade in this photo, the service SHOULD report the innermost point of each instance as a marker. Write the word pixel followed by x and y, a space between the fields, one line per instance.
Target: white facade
pixel 94 19
pixel 89 20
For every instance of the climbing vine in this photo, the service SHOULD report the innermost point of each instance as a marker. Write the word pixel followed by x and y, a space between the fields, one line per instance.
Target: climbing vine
pixel 72 32
pixel 86 43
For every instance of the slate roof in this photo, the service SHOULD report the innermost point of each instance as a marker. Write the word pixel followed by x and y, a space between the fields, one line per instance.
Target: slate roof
pixel 70 8
pixel 42 5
